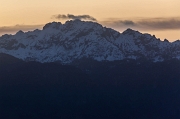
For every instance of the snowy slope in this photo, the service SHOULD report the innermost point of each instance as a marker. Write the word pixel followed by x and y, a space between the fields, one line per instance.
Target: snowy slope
pixel 77 39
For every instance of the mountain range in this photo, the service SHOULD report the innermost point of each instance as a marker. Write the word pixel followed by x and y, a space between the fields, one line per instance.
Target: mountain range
pixel 76 39
pixel 82 70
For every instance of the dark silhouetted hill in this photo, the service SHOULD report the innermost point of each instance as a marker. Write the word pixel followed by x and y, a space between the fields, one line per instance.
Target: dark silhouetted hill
pixel 125 89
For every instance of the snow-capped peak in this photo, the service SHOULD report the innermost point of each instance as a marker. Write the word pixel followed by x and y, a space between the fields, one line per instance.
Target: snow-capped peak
pixel 54 25
pixel 77 39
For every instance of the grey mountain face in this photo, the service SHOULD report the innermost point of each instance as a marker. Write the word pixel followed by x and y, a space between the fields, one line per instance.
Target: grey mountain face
pixel 78 39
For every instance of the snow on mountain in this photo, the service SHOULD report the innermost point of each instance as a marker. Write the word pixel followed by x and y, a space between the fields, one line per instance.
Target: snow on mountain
pixel 77 39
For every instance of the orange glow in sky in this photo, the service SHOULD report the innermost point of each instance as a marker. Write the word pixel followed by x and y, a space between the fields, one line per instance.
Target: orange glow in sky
pixel 159 17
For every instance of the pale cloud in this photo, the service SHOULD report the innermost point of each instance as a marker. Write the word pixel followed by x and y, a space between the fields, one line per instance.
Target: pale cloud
pixel 14 29
pixel 146 24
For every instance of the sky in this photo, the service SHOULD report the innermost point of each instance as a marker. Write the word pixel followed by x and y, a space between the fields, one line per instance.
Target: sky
pixel 157 17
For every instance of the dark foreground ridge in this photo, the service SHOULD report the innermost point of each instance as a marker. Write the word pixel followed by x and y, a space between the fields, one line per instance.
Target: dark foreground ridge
pixel 90 89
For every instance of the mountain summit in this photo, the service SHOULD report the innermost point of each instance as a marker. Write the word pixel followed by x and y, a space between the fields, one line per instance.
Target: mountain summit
pixel 78 39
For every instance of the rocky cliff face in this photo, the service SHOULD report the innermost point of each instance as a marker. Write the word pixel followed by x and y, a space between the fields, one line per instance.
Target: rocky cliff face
pixel 78 39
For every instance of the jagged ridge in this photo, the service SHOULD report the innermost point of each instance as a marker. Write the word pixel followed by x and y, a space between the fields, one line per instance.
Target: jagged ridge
pixel 78 39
